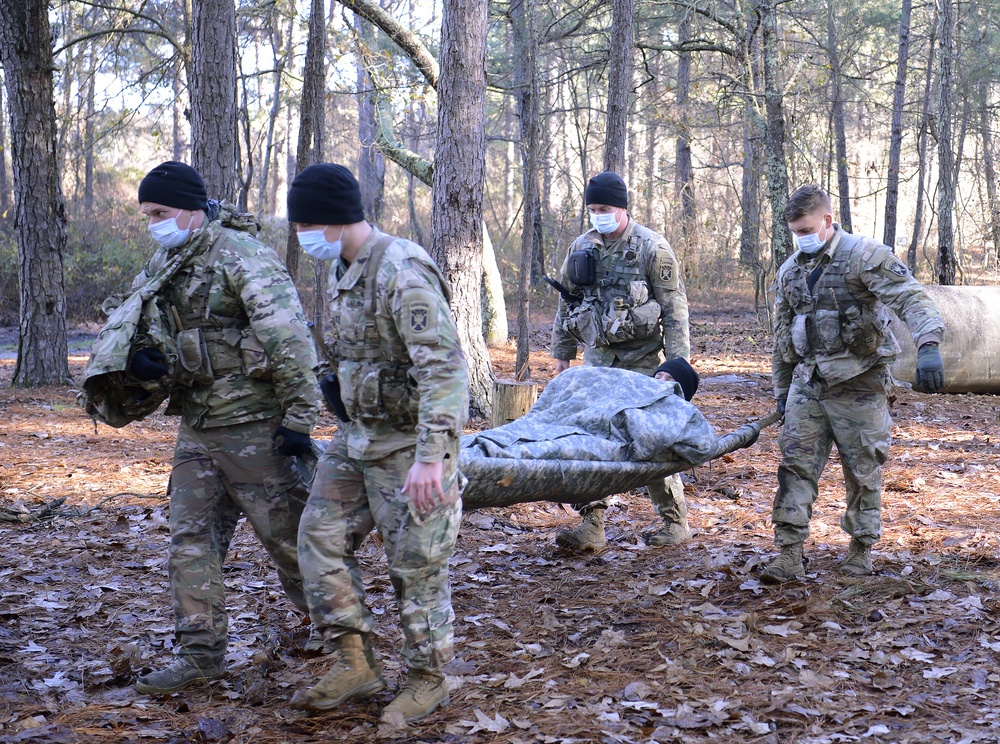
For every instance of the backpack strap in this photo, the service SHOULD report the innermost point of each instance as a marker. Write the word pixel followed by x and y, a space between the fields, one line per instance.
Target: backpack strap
pixel 371 271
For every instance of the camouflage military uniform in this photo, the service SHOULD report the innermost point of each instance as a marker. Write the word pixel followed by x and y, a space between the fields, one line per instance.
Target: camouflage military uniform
pixel 245 368
pixel 636 314
pixel 831 350
pixel 404 384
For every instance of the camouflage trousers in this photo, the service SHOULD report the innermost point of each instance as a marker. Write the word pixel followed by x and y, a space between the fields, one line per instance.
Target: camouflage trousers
pixel 348 498
pixel 854 415
pixel 667 495
pixel 219 474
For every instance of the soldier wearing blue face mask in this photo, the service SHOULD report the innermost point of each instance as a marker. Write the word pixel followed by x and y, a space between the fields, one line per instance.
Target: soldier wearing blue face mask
pixel 832 348
pixel 624 302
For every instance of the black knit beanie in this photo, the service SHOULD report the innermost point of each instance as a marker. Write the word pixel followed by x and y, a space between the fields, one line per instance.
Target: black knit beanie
pixel 683 373
pixel 607 188
pixel 325 194
pixel 174 184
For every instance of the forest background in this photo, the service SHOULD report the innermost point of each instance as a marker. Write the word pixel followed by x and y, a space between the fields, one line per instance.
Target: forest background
pixel 727 107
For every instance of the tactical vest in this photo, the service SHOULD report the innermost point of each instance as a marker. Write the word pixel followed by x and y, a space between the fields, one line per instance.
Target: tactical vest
pixel 619 306
pixel 830 320
pixel 376 373
pixel 210 345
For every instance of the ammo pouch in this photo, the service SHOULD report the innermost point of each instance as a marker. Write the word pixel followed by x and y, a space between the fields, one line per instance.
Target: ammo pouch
pixel 387 393
pixel 863 330
pixel 193 366
pixel 585 324
pixel 581 268
pixel 256 363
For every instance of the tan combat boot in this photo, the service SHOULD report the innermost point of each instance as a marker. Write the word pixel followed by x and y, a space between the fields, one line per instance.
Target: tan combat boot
pixel 424 692
pixel 786 566
pixel 589 535
pixel 858 561
pixel 355 673
pixel 672 533
pixel 183 673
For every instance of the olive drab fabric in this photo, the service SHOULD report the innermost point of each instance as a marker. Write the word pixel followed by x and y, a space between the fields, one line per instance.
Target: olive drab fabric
pixel 636 308
pixel 400 366
pixel 840 327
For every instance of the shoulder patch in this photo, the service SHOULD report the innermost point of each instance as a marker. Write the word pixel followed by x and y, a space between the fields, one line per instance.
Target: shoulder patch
pixel 419 318
pixel 894 266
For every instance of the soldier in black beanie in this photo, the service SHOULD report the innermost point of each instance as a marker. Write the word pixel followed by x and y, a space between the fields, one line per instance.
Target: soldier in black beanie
pixel 631 313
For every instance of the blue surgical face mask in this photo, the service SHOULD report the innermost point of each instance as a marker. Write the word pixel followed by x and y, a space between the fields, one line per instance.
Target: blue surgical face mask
pixel 167 234
pixel 314 243
pixel 605 223
pixel 810 243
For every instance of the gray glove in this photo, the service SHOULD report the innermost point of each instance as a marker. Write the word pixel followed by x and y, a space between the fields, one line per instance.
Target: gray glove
pixel 930 368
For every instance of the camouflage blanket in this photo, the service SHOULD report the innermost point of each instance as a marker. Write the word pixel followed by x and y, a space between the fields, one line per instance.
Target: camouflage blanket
pixel 602 414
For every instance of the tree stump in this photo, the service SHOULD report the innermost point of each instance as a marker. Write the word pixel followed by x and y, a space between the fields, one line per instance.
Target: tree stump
pixel 511 400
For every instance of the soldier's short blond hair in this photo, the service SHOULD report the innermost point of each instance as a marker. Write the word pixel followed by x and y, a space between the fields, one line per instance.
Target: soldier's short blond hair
pixel 806 200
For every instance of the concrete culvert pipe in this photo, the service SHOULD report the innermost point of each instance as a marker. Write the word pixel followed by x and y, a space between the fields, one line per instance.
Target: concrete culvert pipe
pixel 971 347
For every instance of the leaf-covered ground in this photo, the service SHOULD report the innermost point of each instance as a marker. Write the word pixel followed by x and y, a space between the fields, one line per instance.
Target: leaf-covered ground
pixel 630 645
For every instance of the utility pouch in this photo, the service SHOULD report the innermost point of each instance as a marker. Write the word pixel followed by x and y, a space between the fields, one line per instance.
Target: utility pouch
pixel 193 365
pixel 827 325
pixel 581 268
pixel 585 324
pixel 800 335
pixel 256 363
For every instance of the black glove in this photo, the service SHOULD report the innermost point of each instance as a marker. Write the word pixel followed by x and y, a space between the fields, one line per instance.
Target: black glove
pixel 329 385
pixel 930 368
pixel 148 364
pixel 291 443
pixel 781 406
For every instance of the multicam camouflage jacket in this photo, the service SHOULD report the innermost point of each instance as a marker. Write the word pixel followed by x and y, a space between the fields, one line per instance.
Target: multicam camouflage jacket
pixel 235 336
pixel 840 326
pixel 636 306
pixel 403 376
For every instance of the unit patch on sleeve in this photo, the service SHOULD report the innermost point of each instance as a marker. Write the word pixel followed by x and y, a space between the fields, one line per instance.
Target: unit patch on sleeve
pixel 895 266
pixel 420 317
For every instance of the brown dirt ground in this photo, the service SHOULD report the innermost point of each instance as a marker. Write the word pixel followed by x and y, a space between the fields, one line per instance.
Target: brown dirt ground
pixel 630 645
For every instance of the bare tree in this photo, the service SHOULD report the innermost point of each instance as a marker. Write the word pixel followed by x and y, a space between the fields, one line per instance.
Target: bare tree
pixel 371 162
pixel 212 88
pixel 459 171
pixel 684 182
pixel 839 133
pixel 619 85
pixel 896 136
pixel 947 264
pixel 523 16
pixel 989 166
pixel 310 144
pixel 926 124
pixel 39 214
pixel 774 134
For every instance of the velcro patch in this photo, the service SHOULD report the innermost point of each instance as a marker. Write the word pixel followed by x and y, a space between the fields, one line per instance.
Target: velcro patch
pixel 420 317
pixel 665 270
pixel 894 266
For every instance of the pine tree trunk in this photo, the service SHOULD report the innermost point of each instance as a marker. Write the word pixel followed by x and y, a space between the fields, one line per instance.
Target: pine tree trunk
pixel 528 112
pixel 925 121
pixel 459 169
pixel 39 214
pixel 840 135
pixel 4 149
pixel 371 163
pixel 212 87
pixel 619 85
pixel 774 135
pixel 989 168
pixel 684 183
pixel 896 136
pixel 946 267
pixel 308 150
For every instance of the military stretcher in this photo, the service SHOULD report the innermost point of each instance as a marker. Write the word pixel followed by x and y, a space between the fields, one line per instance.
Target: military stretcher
pixel 499 481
